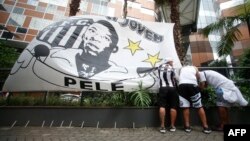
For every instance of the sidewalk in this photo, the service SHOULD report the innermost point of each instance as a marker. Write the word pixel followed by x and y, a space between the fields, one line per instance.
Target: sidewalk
pixel 103 134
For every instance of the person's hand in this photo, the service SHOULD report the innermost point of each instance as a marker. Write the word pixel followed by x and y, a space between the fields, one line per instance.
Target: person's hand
pixel 219 91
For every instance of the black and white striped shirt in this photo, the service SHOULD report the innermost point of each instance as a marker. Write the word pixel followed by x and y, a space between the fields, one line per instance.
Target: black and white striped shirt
pixel 167 76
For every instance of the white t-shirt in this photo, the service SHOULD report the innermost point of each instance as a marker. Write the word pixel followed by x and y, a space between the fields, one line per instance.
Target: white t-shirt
pixel 215 79
pixel 230 92
pixel 188 75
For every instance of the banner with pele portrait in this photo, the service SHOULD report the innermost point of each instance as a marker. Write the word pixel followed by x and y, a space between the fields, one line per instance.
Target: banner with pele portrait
pixel 92 53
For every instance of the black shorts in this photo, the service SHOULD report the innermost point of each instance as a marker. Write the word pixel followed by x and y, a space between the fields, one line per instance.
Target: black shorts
pixel 168 97
pixel 190 96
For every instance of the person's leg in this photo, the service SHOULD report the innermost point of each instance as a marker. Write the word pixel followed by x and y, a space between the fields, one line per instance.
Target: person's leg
pixel 184 100
pixel 162 111
pixel 173 101
pixel 173 115
pixel 162 114
pixel 196 103
pixel 223 111
pixel 186 117
pixel 224 116
pixel 203 117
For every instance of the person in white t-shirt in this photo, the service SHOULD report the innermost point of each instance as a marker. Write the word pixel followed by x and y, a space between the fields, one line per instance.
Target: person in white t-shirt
pixel 227 94
pixel 190 96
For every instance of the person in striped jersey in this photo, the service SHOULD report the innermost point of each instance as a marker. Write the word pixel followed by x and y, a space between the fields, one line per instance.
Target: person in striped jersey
pixel 168 96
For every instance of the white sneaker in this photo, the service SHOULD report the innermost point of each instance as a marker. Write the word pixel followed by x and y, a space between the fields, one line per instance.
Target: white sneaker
pixel 172 129
pixel 163 130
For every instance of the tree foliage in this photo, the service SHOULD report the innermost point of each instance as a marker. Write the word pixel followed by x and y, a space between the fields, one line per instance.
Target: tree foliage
pixel 74 7
pixel 231 27
pixel 175 18
pixel 8 55
pixel 244 61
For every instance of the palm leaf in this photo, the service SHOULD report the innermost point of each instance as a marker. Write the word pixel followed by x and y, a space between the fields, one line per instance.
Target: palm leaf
pixel 224 23
pixel 227 41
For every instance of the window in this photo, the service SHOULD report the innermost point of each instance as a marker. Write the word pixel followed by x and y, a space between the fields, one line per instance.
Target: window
pixel 6 7
pixel 33 2
pixel 62 3
pixel 58 17
pixel 51 8
pixel 7 35
pixel 40 8
pixel 2 8
pixel 21 30
pixel 83 6
pixel 102 10
pixel 16 19
pixel 18 10
pixel 39 24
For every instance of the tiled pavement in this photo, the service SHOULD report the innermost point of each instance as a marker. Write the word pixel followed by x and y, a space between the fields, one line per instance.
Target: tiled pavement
pixel 103 134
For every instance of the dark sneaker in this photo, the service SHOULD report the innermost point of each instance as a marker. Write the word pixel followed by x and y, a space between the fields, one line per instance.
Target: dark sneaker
pixel 172 129
pixel 163 130
pixel 187 129
pixel 207 130
pixel 220 129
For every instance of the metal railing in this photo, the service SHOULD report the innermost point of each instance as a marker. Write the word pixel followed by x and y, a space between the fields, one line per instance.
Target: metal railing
pixel 229 72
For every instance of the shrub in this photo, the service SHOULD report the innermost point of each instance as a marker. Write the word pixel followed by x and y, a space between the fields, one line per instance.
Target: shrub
pixel 208 97
pixel 244 61
pixel 141 97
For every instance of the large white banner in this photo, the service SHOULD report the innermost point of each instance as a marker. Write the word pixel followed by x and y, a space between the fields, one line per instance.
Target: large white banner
pixel 89 53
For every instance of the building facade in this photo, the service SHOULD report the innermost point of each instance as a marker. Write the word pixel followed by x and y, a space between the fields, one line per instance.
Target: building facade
pixel 21 20
pixel 203 50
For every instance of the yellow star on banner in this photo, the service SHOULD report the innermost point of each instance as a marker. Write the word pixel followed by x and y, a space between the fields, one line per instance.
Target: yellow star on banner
pixel 133 46
pixel 153 59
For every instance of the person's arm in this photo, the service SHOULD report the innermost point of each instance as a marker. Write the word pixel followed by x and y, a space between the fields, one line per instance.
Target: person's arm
pixel 202 85
pixel 197 74
pixel 176 76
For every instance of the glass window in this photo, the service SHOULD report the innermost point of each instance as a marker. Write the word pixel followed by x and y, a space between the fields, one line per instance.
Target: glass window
pixel 83 6
pixel 59 17
pixel 16 19
pixel 108 11
pixel 33 2
pixel 62 3
pixel 39 24
pixel 85 13
pixel 102 10
pixel 95 8
pixel 7 7
pixel 1 1
pixel 51 9
pixel 2 8
pixel 7 35
pixel 21 30
pixel 40 8
pixel 99 2
pixel 18 10
pixel 61 13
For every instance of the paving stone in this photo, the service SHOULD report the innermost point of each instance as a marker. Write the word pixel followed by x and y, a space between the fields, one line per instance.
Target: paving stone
pixel 102 134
